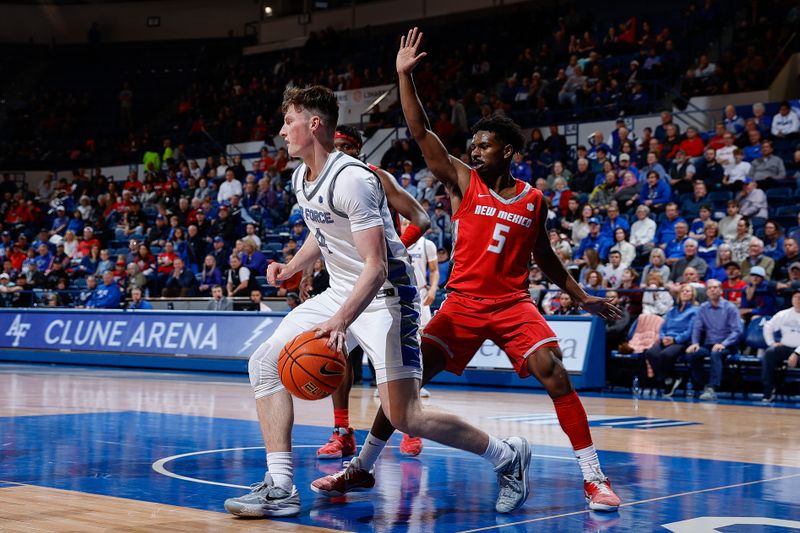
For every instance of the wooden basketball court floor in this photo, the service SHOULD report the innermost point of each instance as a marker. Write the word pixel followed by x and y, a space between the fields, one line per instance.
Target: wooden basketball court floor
pixel 89 450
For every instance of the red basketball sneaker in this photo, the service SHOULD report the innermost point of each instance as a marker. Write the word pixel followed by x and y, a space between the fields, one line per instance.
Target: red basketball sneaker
pixel 600 496
pixel 410 446
pixel 341 444
pixel 353 477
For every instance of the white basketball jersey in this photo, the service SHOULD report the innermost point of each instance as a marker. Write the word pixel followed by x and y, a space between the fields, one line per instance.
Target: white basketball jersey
pixel 422 252
pixel 345 198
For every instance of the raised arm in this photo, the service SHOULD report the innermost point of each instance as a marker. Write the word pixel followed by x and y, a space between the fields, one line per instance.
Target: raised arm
pixel 405 204
pixel 447 169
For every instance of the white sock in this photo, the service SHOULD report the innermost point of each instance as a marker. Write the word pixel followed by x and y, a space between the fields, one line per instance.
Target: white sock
pixel 590 464
pixel 498 452
pixel 372 448
pixel 279 465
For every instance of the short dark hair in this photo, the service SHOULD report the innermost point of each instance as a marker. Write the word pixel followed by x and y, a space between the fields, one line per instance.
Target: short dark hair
pixel 505 130
pixel 316 99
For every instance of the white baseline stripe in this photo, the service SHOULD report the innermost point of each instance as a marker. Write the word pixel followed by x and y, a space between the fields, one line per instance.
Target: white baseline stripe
pixel 630 504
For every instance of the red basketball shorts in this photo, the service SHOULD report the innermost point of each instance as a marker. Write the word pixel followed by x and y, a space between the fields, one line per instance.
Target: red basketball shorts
pixel 463 324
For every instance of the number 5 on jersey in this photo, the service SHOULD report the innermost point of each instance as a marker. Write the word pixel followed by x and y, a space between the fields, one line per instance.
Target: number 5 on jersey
pixel 499 238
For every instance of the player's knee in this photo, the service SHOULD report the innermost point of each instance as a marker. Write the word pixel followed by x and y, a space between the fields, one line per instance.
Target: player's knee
pixel 402 419
pixel 263 370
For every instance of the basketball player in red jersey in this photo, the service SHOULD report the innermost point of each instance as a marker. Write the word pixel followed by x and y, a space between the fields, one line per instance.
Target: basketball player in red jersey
pixel 498 222
pixel 342 443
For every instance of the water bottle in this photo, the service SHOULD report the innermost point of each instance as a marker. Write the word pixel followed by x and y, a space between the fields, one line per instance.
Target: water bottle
pixel 690 390
pixel 635 387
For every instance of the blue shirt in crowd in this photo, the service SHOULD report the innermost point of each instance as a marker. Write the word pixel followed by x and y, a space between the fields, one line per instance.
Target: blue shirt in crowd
pixel 679 324
pixel 717 324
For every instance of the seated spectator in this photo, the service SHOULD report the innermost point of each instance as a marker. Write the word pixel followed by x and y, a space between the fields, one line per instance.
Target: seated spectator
pixel 656 299
pixel 588 262
pixel 594 285
pixel 791 254
pixel 691 206
pixel 627 194
pixel 566 306
pixel 219 302
pixel 717 269
pixel 752 200
pixel 561 196
pixel 698 225
pixel 292 300
pixel 629 293
pixel 613 221
pixel 643 231
pixel 690 259
pixel 763 122
pixel 715 334
pixel 617 329
pixel 733 286
pixel 257 298
pixel 656 263
pixel 621 245
pixel 752 145
pixel 756 258
pixel 137 302
pixel 320 279
pixel 8 290
pixel 787 322
pixel 645 334
pixel 666 228
pixel 239 279
pixel 583 179
pixel 135 279
pixel 740 245
pixel 210 275
pixel 612 272
pixel 724 153
pixel 253 258
pixel 785 125
pixel 767 170
pixel 773 240
pixel 107 295
pixel 681 173
pixel 709 171
pixel 655 192
pixel 654 166
pixel 595 241
pixel 676 331
pixel 734 124
pixel 737 173
pixel 603 194
pixel 580 228
pixel 759 296
pixel 674 249
pixel 181 281
pixel 728 224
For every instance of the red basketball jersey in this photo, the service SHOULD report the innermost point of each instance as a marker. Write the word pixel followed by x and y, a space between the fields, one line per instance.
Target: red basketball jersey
pixel 494 239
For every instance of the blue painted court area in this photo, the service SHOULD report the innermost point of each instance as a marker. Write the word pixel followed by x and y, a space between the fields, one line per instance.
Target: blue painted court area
pixel 202 461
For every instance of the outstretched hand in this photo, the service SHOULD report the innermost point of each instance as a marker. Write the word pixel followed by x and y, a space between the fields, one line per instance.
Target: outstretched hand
pixel 601 307
pixel 407 56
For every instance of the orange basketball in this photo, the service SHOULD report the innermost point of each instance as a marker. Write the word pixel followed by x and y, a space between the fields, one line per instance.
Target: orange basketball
pixel 309 369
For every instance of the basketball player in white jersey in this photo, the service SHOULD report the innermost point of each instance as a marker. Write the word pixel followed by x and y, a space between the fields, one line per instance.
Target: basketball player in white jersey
pixel 372 296
pixel 426 268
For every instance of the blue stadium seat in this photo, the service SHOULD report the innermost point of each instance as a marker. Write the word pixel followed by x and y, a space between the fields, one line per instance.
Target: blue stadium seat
pixel 758 222
pixel 787 210
pixel 754 337
pixel 778 193
pixel 723 196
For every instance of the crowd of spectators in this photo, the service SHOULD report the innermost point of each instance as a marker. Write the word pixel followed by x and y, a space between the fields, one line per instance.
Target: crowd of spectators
pixel 672 222
pixel 577 68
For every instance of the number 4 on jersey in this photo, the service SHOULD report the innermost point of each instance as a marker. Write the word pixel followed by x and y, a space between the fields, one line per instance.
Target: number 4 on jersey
pixel 499 238
pixel 321 241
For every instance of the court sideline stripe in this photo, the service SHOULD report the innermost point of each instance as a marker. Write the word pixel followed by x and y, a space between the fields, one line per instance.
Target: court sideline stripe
pixel 574 513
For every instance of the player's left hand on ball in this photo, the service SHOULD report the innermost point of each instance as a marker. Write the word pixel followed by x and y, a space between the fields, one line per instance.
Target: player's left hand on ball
pixel 336 331
pixel 602 307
